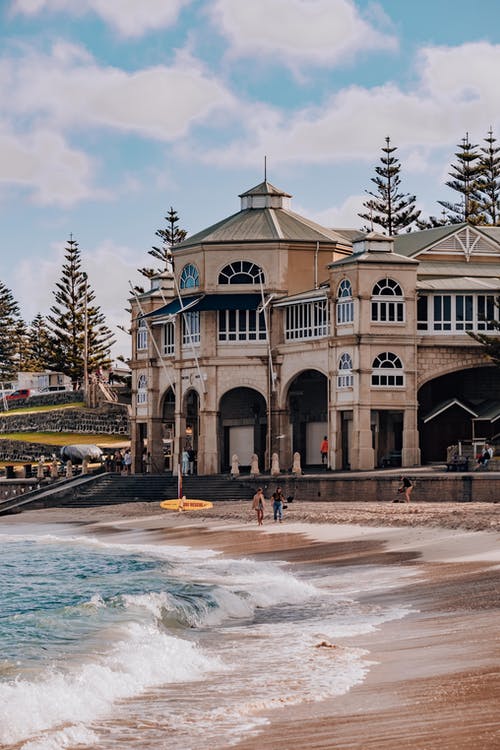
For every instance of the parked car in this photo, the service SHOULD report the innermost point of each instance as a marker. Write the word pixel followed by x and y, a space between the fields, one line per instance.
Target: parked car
pixel 19 394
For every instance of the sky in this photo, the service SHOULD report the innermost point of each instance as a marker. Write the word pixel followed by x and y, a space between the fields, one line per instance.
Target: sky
pixel 111 111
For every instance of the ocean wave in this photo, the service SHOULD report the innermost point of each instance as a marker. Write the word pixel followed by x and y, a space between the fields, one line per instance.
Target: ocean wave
pixel 144 657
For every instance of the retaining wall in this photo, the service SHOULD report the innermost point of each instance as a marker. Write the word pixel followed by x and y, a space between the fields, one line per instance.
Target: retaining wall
pixel 484 487
pixel 112 421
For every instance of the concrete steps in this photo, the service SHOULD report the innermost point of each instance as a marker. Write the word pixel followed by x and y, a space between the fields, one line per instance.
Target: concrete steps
pixel 112 489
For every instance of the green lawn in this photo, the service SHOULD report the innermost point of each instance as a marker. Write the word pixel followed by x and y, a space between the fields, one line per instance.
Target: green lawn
pixel 66 438
pixel 51 407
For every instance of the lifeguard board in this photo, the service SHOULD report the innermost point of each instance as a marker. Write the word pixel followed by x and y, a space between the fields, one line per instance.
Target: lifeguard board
pixel 185 504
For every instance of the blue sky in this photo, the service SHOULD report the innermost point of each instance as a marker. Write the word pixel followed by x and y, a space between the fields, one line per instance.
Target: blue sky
pixel 111 111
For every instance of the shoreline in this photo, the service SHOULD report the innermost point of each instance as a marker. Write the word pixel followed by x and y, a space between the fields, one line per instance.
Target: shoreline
pixel 435 675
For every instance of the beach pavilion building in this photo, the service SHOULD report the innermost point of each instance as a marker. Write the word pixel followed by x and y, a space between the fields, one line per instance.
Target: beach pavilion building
pixel 270 332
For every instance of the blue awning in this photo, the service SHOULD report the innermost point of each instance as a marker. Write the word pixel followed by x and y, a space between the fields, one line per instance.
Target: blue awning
pixel 204 302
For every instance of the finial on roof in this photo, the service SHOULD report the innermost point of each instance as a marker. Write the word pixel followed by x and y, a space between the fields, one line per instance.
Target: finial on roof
pixel 265 168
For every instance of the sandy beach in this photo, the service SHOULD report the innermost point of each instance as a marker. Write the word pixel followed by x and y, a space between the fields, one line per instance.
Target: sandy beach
pixel 434 680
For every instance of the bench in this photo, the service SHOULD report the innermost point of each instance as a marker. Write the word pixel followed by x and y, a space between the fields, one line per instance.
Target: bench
pixel 458 464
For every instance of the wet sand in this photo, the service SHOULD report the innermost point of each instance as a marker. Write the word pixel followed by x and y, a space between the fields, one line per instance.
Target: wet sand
pixel 435 680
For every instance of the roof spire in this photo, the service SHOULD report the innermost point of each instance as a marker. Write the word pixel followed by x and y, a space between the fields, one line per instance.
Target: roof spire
pixel 265 168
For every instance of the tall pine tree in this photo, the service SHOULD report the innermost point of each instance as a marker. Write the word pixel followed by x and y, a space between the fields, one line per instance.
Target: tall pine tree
pixel 169 237
pixel 76 322
pixel 488 181
pixel 388 208
pixel 464 180
pixel 40 345
pixel 9 326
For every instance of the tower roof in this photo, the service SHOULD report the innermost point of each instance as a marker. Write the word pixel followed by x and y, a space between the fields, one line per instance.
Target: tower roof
pixel 265 216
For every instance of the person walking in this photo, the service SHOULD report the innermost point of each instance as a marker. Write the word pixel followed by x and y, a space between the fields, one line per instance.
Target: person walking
pixel 259 505
pixel 324 451
pixel 406 488
pixel 278 500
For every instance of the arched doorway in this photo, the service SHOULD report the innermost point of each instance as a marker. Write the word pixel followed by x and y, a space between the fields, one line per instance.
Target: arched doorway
pixel 243 427
pixel 461 407
pixel 307 403
pixel 192 430
pixel 168 428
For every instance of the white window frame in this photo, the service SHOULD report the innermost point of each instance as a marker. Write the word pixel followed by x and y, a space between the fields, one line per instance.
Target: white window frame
pixel 387 371
pixel 458 313
pixel 307 320
pixel 142 390
pixel 235 326
pixel 345 303
pixel 385 310
pixel 252 273
pixel 168 336
pixel 191 328
pixel 190 277
pixel 345 378
pixel 142 336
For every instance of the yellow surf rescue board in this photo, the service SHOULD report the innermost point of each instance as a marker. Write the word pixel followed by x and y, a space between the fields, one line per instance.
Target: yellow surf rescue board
pixel 185 504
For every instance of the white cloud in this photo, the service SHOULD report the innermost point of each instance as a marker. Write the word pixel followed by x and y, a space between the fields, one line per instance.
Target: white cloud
pixel 344 215
pixel 131 18
pixel 316 32
pixel 453 95
pixel 43 163
pixel 69 89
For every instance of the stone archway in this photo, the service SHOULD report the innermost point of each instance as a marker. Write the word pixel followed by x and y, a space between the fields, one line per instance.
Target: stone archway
pixel 307 404
pixel 242 427
pixel 447 408
pixel 168 427
pixel 190 439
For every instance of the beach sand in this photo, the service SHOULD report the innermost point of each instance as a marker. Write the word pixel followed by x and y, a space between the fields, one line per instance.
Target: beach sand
pixel 434 683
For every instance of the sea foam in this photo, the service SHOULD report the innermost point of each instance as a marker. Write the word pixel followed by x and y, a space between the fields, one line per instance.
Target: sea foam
pixel 143 657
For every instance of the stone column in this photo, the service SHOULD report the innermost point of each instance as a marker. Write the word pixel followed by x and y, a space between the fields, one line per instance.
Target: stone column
pixel 136 446
pixel 208 443
pixel 155 445
pixel 410 455
pixel 362 453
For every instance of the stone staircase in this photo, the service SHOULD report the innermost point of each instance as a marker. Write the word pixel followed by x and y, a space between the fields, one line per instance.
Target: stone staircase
pixel 113 489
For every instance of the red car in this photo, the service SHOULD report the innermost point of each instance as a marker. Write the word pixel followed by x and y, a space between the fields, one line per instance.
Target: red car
pixel 18 395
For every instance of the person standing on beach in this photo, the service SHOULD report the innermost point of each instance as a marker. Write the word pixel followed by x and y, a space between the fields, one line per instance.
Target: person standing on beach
pixel 406 487
pixel 278 505
pixel 259 505
pixel 324 451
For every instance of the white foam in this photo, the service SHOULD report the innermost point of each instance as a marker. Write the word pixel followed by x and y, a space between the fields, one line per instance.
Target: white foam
pixel 143 658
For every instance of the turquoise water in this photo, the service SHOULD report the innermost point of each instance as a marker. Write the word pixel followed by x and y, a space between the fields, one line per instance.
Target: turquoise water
pixel 101 637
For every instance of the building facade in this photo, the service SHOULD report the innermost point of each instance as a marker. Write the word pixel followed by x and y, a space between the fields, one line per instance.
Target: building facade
pixel 269 332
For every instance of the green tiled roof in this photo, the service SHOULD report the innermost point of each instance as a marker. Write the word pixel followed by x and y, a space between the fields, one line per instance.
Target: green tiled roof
pixel 414 242
pixel 264 225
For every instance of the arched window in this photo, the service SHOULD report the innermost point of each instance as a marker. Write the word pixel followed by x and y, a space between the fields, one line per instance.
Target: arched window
pixel 345 304
pixel 345 378
pixel 142 389
pixel 388 302
pixel 241 272
pixel 387 370
pixel 190 277
pixel 142 335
